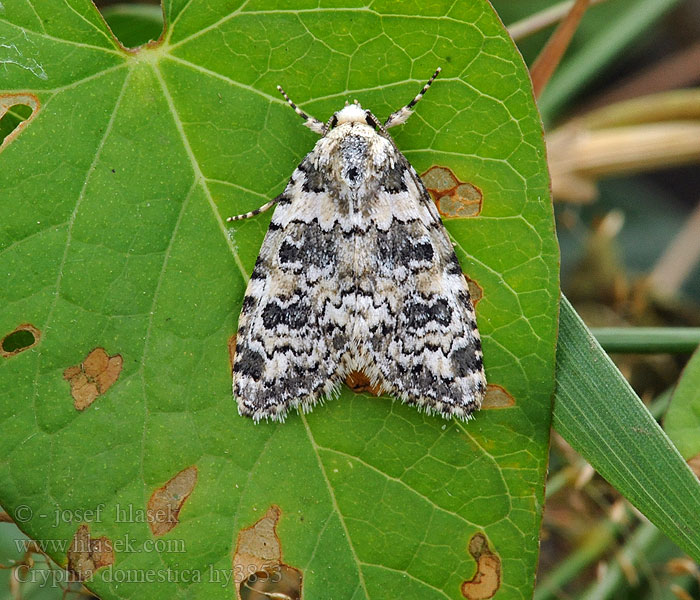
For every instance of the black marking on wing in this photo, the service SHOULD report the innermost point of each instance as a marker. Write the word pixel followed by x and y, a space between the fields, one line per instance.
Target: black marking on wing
pixel 393 178
pixel 314 180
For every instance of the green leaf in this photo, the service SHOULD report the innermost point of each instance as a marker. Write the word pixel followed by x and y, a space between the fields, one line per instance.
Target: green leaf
pixel 113 237
pixel 682 420
pixel 602 418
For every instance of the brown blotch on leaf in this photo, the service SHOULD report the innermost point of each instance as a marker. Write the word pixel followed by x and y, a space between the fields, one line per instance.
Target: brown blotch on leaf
pixel 23 338
pixel 165 503
pixel 258 569
pixel 360 383
pixel 87 554
pixel 487 578
pixel 7 101
pixel 92 377
pixel 454 198
pixel 497 397
pixel 694 464
pixel 476 292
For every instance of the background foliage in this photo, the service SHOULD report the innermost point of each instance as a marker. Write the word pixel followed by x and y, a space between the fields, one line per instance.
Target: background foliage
pixel 117 204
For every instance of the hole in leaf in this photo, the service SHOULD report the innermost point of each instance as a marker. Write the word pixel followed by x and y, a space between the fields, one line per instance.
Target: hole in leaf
pixel 87 554
pixel 16 110
pixel 258 569
pixel 497 397
pixel 24 337
pixel 134 24
pixel 12 118
pixel 279 581
pixel 476 292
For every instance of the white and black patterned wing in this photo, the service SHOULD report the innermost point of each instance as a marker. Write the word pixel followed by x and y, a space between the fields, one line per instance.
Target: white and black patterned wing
pixel 292 330
pixel 420 323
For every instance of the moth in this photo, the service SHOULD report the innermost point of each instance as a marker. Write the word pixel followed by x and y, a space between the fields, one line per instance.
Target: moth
pixel 356 273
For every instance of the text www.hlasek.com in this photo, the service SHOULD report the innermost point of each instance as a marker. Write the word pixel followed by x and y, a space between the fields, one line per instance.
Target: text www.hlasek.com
pixel 125 544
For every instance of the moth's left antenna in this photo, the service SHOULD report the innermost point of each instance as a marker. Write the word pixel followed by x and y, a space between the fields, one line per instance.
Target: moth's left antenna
pixel 257 211
pixel 313 124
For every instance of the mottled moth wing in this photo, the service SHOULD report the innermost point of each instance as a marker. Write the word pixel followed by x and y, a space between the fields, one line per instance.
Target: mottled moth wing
pixel 372 285
pixel 421 328
pixel 288 346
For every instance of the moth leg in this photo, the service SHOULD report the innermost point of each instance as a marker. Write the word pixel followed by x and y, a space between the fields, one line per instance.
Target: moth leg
pixel 401 116
pixel 313 124
pixel 257 211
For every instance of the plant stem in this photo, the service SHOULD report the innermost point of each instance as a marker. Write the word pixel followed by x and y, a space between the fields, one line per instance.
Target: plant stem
pixel 648 340
pixel 538 21
pixel 547 60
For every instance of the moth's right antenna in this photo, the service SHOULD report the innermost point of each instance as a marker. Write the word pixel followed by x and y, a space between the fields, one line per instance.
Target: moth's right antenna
pixel 313 124
pixel 401 115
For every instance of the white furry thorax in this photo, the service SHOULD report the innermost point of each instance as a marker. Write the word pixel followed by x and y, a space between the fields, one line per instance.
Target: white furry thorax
pixel 353 151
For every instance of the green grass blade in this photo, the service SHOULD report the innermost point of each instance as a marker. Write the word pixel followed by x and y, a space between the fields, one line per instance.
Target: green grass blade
pixel 599 414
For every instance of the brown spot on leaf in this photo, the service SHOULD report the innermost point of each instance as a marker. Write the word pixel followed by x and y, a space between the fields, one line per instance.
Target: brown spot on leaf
pixel 258 569
pixel 23 338
pixel 476 292
pixel 497 397
pixel 487 578
pixel 454 198
pixel 360 383
pixel 694 464
pixel 87 554
pixel 7 101
pixel 165 503
pixel 92 377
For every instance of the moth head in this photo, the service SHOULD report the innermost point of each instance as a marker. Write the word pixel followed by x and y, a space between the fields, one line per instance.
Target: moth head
pixel 353 113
